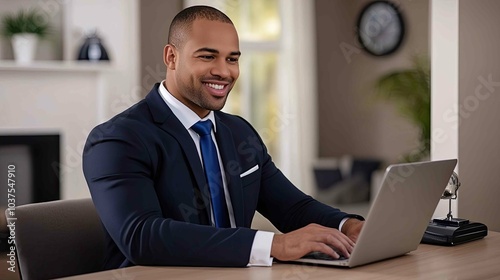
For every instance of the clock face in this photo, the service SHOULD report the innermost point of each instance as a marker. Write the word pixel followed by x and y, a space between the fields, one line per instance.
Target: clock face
pixel 380 28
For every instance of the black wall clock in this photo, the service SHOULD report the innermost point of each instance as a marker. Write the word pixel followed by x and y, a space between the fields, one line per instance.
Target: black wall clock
pixel 381 28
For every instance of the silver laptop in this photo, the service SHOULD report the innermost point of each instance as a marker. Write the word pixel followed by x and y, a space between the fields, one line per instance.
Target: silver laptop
pixel 399 214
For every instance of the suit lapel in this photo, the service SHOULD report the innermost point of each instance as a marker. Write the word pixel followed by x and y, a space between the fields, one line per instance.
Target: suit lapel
pixel 228 155
pixel 167 121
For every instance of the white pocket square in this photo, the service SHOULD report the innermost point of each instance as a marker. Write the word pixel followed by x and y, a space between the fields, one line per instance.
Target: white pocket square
pixel 249 171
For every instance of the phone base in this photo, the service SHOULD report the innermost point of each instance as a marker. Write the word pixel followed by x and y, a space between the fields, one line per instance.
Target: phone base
pixel 440 234
pixel 454 222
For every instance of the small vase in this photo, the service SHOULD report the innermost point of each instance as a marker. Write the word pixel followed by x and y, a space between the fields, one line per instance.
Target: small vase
pixel 24 46
pixel 92 48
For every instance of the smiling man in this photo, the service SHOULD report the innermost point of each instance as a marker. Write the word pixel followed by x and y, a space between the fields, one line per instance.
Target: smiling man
pixel 202 73
pixel 177 182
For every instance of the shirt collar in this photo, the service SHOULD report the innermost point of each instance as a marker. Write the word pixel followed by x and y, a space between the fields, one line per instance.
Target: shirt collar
pixel 185 115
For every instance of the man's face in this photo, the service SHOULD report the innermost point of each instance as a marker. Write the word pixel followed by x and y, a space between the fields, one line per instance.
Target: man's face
pixel 205 67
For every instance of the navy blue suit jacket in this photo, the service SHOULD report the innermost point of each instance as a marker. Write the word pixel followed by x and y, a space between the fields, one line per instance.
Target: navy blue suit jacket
pixel 149 189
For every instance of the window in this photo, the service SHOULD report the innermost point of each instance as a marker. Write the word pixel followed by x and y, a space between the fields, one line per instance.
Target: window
pixel 255 95
pixel 268 90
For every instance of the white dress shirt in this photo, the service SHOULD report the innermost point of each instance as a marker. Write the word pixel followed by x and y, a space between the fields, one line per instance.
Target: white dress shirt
pixel 261 246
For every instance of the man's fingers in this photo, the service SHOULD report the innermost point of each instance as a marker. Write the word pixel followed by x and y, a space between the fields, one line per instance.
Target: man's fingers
pixel 325 249
pixel 313 237
pixel 337 241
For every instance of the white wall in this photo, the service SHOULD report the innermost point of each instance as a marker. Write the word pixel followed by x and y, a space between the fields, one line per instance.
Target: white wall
pixel 72 98
pixel 117 23
pixel 52 101
pixel 444 85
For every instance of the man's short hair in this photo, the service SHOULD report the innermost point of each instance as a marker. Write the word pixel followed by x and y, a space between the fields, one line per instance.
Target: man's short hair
pixel 182 22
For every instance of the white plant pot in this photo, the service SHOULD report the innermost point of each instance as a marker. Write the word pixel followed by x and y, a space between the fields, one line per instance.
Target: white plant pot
pixel 24 46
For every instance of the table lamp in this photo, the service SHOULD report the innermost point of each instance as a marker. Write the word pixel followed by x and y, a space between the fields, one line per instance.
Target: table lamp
pixel 450 193
pixel 450 230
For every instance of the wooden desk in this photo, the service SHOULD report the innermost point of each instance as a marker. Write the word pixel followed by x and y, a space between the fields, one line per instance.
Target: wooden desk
pixel 475 260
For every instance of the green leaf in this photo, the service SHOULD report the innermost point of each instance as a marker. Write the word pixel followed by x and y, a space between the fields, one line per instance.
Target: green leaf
pixel 25 21
pixel 410 91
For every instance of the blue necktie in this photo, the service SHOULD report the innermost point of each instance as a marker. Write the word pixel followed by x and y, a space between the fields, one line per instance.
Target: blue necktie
pixel 212 173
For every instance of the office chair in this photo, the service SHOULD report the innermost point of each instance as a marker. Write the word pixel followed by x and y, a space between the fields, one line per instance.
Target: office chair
pixel 58 238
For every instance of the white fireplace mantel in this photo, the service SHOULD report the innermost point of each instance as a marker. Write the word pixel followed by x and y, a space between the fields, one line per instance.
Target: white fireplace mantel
pixel 71 97
pixel 56 66
pixel 68 98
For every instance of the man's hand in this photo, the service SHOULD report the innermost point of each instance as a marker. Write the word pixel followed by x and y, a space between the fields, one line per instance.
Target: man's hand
pixel 313 237
pixel 352 227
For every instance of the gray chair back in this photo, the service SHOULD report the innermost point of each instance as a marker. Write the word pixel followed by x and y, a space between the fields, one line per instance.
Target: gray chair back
pixel 58 238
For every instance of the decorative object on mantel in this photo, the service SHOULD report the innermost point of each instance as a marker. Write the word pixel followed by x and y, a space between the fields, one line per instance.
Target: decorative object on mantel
pixel 24 29
pixel 92 48
pixel 410 90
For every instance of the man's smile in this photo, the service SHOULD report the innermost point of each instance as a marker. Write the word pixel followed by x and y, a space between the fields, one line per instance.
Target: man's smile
pixel 217 89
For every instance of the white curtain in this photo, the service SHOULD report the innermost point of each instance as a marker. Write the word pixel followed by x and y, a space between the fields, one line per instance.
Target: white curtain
pixel 298 91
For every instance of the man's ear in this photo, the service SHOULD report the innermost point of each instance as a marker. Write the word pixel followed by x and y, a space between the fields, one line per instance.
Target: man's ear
pixel 169 56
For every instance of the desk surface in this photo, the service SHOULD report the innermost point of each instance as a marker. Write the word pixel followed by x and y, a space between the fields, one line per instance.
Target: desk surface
pixel 475 260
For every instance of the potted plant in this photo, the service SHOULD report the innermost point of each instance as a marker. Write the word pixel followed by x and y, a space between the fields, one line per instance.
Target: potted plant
pixel 410 90
pixel 24 29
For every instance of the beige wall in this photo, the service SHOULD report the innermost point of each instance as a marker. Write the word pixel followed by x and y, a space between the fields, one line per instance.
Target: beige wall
pixel 479 130
pixel 156 16
pixel 350 122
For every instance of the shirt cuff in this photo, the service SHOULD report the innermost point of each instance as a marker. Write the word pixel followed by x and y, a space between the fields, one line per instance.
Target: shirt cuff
pixel 349 216
pixel 261 249
pixel 342 223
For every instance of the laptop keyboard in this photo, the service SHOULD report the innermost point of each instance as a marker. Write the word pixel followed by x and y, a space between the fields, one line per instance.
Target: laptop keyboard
pixel 322 256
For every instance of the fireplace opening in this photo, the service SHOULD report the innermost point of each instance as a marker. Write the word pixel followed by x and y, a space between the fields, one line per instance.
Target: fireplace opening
pixel 36 155
pixel 33 159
